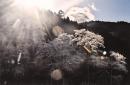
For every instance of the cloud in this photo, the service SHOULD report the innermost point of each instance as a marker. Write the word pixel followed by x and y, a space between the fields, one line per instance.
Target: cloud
pixel 80 14
pixel 93 7
pixel 65 4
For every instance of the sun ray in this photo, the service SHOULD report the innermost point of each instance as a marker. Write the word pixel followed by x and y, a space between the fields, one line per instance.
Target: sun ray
pixel 40 4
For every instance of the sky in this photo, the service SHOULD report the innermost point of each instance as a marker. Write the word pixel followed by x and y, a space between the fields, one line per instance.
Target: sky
pixel 110 10
pixel 80 10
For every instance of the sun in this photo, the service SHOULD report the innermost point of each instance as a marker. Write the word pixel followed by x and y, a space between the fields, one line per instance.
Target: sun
pixel 40 4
